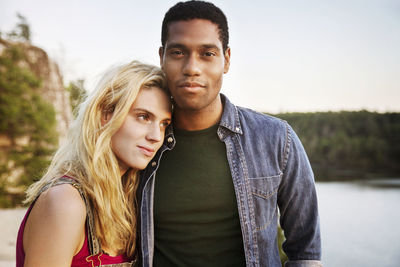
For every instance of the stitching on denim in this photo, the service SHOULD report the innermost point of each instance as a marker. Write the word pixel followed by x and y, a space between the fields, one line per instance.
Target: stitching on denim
pixel 288 142
pixel 265 177
pixel 263 195
pixel 265 225
pixel 124 264
pixel 235 169
pixel 236 123
pixel 237 120
pixel 246 220
pixel 243 218
pixel 250 202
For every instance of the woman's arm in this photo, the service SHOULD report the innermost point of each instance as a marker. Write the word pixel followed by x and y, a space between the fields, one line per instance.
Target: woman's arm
pixel 55 229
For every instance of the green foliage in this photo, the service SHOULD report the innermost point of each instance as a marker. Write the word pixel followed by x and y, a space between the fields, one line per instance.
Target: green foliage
pixel 281 239
pixel 349 144
pixel 26 120
pixel 22 31
pixel 77 94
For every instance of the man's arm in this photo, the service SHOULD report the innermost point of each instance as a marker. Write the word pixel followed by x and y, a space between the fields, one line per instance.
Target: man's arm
pixel 297 202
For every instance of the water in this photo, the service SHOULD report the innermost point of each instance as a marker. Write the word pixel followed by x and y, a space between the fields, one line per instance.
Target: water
pixel 360 223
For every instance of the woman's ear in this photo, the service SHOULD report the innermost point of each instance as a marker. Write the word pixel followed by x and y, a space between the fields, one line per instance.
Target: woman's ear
pixel 105 117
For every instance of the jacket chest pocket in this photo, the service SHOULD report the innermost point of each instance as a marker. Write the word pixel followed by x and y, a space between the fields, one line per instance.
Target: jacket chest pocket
pixel 264 191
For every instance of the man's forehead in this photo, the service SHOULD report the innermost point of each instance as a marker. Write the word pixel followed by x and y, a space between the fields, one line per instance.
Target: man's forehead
pixel 199 31
pixel 184 26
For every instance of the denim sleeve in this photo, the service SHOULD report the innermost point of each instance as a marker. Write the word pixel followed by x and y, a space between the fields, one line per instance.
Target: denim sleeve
pixel 298 206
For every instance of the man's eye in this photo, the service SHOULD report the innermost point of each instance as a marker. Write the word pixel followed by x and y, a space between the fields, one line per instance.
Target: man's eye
pixel 176 52
pixel 209 54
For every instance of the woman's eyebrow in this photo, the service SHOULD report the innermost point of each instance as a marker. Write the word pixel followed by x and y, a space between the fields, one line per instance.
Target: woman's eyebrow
pixel 143 110
pixel 151 114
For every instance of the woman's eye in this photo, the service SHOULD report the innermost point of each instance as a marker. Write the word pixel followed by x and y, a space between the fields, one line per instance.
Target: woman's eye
pixel 143 117
pixel 165 124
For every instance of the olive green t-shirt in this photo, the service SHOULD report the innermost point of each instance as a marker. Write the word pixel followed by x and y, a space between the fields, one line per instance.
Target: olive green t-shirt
pixel 196 219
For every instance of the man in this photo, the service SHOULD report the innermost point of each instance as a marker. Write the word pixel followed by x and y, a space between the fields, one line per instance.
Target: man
pixel 213 198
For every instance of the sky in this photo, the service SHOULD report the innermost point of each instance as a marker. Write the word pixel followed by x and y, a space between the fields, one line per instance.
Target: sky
pixel 286 56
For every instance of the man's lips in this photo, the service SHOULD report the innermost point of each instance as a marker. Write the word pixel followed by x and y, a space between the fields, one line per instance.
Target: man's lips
pixel 147 151
pixel 191 85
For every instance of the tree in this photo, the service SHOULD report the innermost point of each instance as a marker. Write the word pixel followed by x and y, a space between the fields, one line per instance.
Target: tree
pixel 22 31
pixel 27 121
pixel 77 94
pixel 348 144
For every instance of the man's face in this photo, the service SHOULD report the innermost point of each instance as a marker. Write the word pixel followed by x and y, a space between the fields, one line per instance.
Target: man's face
pixel 194 63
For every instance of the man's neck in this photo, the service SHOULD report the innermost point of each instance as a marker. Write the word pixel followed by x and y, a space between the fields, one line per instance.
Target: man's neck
pixel 195 120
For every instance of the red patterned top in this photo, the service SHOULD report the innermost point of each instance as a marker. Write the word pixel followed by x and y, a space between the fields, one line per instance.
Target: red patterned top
pixel 81 259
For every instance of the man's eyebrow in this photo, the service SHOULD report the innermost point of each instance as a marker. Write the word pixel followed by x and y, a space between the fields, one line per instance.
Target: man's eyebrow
pixel 175 45
pixel 210 46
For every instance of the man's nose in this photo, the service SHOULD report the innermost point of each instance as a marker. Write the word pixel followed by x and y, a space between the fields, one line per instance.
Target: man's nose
pixel 192 66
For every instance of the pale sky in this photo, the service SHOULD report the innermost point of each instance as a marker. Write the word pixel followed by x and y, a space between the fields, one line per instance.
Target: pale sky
pixel 310 55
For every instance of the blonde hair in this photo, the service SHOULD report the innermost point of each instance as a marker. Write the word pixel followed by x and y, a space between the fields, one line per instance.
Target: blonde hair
pixel 87 155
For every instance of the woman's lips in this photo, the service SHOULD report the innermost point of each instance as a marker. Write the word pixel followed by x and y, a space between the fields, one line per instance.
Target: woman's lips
pixel 147 151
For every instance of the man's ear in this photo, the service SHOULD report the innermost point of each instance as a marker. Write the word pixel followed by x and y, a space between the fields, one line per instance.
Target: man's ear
pixel 227 61
pixel 161 54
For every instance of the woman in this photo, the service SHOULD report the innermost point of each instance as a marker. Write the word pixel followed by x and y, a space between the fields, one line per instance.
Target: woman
pixel 83 209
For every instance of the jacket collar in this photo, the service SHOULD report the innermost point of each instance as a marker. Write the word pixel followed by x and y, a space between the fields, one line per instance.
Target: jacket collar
pixel 169 139
pixel 229 120
pixel 230 116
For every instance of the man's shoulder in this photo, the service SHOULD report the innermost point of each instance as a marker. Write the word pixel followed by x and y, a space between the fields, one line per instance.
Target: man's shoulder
pixel 259 115
pixel 256 120
pixel 254 124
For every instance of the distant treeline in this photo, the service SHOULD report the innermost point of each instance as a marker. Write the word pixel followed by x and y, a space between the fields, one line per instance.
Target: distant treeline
pixel 347 145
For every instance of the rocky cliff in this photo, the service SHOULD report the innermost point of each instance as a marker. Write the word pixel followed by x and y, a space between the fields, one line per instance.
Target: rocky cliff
pixel 24 152
pixel 52 88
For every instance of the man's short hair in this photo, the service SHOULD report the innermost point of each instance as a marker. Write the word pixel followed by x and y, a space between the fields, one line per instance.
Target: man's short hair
pixel 189 10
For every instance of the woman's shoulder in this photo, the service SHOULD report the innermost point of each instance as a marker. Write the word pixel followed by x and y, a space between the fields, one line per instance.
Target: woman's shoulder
pixel 60 206
pixel 63 199
pixel 59 212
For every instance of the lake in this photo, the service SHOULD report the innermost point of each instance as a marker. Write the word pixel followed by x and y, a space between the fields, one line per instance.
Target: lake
pixel 360 224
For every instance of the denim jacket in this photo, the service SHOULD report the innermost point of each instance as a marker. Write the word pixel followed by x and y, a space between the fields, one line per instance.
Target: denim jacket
pixel 272 179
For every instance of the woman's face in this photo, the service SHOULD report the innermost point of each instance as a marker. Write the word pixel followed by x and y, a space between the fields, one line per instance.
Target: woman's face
pixel 142 133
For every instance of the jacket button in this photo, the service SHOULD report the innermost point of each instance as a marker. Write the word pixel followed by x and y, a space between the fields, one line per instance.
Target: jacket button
pixel 153 164
pixel 170 139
